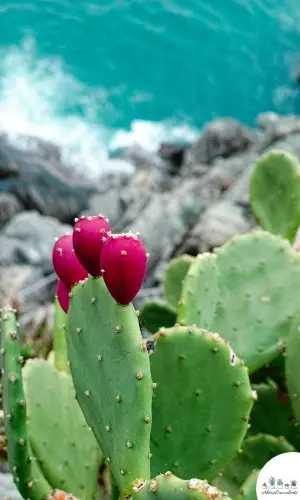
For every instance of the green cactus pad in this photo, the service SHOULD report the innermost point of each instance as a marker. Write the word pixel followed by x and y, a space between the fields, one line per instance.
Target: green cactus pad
pixel 200 293
pixel 255 453
pixel 174 277
pixel 282 423
pixel 201 403
pixel 111 373
pixel 156 314
pixel 19 453
pixel 59 341
pixel 292 366
pixel 275 193
pixel 248 489
pixel 259 296
pixel 169 487
pixel 67 451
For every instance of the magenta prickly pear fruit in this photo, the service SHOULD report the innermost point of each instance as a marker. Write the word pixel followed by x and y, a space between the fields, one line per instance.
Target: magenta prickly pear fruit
pixel 65 262
pixel 123 266
pixel 62 293
pixel 89 234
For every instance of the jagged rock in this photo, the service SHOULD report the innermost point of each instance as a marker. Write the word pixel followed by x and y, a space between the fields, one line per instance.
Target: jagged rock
pixel 168 216
pixel 14 280
pixel 278 127
pixel 28 240
pixel 8 490
pixel 218 224
pixel 9 206
pixel 107 200
pixel 223 137
pixel 40 184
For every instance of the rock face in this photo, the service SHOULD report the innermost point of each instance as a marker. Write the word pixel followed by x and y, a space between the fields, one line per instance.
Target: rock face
pixel 38 179
pixel 186 198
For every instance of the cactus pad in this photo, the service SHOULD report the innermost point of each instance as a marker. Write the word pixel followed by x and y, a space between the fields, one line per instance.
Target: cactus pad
pixel 199 429
pixel 111 373
pixel 155 314
pixel 275 193
pixel 282 423
pixel 174 277
pixel 255 453
pixel 59 338
pixel 248 489
pixel 200 293
pixel 292 370
pixel 259 296
pixel 18 447
pixel 169 487
pixel 66 449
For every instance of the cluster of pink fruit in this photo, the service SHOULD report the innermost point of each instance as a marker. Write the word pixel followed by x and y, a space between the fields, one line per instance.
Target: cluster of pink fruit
pixel 92 249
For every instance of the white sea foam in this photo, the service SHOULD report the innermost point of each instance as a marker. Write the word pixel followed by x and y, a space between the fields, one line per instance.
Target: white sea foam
pixel 38 98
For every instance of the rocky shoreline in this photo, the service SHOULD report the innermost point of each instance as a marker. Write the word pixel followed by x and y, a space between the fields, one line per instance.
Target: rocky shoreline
pixel 188 198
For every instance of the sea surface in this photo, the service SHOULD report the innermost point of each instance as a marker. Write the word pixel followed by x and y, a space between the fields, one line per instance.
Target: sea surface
pixel 93 76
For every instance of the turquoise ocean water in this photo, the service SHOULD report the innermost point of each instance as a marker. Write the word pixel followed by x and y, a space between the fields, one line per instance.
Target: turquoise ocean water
pixel 92 76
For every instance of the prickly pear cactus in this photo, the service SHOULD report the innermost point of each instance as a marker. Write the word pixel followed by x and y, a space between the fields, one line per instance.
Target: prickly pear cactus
pixel 275 193
pixel 273 398
pixel 59 341
pixel 174 277
pixel 199 293
pixel 254 454
pixel 259 296
pixel 111 373
pixel 292 370
pixel 169 487
pixel 197 378
pixel 30 483
pixel 248 489
pixel 66 449
pixel 155 314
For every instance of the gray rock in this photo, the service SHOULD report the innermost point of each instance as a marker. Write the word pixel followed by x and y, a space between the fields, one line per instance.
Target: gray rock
pixel 28 239
pixel 137 194
pixel 168 216
pixel 218 224
pixel 8 490
pixel 220 138
pixel 277 126
pixel 9 206
pixel 41 184
pixel 14 280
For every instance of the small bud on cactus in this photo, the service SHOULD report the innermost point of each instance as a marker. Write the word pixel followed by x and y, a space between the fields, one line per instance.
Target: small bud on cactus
pixel 62 293
pixel 88 237
pixel 65 262
pixel 124 264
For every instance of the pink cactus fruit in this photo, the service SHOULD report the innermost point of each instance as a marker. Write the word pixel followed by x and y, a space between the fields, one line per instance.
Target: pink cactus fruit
pixel 89 235
pixel 65 262
pixel 62 293
pixel 123 266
